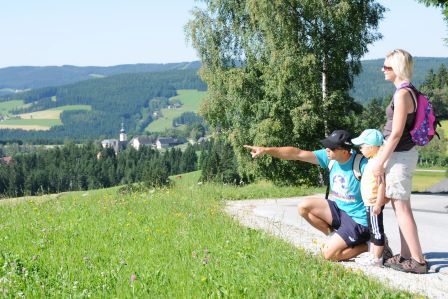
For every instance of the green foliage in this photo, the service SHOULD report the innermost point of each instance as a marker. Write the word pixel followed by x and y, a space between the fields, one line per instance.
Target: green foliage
pixel 218 163
pixel 436 87
pixel 265 64
pixel 165 243
pixel 155 174
pixel 373 116
pixel 83 167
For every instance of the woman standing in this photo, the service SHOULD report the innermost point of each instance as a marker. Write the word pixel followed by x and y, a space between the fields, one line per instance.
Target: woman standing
pixel 398 161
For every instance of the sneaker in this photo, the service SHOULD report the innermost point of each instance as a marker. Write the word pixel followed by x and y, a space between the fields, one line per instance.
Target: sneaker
pixel 376 262
pixel 394 260
pixel 412 266
pixel 387 252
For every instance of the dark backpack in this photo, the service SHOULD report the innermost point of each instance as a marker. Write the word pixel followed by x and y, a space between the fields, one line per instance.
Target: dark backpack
pixel 425 123
pixel 356 167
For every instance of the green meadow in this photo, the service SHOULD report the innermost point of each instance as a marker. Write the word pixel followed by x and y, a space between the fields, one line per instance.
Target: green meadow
pixel 190 99
pixel 165 243
pixel 44 118
pixel 7 107
pixel 32 122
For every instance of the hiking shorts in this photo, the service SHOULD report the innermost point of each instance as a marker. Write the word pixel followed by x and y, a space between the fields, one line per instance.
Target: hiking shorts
pixel 351 232
pixel 399 170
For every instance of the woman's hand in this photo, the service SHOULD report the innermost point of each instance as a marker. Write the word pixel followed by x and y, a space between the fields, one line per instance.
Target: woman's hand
pixel 256 151
pixel 378 172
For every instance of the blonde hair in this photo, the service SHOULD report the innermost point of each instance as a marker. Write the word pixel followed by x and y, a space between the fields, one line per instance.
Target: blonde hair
pixel 402 64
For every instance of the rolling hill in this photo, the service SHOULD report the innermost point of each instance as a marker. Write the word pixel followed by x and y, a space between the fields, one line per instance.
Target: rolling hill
pixel 120 98
pixel 31 77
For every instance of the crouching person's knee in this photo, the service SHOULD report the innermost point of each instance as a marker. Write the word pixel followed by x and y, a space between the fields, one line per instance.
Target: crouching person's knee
pixel 331 254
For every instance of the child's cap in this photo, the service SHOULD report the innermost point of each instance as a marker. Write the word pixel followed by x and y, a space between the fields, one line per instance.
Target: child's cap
pixel 370 137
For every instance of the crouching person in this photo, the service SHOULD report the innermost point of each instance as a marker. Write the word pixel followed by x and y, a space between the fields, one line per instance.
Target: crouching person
pixel 342 213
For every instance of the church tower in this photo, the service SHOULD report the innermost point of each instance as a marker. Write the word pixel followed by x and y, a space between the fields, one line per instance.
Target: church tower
pixel 123 136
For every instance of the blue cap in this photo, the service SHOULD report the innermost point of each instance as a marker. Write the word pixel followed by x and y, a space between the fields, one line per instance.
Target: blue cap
pixel 370 137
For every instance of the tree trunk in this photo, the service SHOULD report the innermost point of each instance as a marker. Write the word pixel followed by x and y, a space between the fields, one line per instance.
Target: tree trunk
pixel 324 93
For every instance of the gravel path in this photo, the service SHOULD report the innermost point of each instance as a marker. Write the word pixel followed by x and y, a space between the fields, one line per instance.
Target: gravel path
pixel 279 218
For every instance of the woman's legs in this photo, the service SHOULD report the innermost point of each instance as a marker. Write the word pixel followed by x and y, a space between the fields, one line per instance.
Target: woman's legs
pixel 410 243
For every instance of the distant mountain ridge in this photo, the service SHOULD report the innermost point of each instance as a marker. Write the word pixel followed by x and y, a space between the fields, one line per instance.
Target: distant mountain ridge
pixel 367 85
pixel 31 77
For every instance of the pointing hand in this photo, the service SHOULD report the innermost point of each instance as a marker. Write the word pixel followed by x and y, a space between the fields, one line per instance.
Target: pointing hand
pixel 256 151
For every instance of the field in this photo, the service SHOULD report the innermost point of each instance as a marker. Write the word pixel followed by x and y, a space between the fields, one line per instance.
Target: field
pixel 39 120
pixel 167 243
pixel 191 100
pixel 7 107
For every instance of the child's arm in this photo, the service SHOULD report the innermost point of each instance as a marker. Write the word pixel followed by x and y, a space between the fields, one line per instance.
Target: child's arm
pixel 380 198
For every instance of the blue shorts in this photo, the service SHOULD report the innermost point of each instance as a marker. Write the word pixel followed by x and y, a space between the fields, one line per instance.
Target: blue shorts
pixel 351 232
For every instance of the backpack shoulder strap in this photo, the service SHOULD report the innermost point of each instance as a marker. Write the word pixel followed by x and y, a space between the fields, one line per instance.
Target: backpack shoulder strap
pixel 357 166
pixel 330 166
pixel 414 93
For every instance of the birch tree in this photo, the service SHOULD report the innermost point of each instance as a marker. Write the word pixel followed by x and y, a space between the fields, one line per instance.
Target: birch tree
pixel 279 72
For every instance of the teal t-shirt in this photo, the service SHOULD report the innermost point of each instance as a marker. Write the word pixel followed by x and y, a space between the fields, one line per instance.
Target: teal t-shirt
pixel 344 187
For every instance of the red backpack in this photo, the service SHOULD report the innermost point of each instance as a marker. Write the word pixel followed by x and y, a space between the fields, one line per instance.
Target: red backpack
pixel 425 123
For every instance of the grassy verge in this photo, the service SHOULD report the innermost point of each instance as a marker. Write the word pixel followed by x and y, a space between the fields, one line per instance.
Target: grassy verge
pixel 171 243
pixel 422 180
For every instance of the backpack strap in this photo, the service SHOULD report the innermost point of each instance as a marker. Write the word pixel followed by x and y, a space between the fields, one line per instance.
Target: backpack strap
pixel 412 90
pixel 414 97
pixel 356 168
pixel 330 166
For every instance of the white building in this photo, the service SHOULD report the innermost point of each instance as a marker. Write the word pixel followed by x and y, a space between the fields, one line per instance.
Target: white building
pixel 140 141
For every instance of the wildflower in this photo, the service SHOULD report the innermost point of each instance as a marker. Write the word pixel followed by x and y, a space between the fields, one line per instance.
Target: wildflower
pixel 193 254
pixel 205 261
pixel 133 277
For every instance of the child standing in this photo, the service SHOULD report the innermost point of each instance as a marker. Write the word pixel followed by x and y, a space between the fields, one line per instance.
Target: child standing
pixel 373 195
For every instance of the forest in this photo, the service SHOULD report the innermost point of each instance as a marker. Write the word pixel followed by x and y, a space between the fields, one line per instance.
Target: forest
pixel 74 167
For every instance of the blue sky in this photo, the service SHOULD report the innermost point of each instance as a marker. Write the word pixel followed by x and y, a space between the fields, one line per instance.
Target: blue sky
pixel 111 32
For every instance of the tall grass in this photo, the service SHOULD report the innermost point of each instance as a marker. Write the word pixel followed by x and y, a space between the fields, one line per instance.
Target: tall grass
pixel 169 243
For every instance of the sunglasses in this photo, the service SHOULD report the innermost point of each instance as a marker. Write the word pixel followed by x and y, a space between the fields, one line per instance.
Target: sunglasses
pixel 386 68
